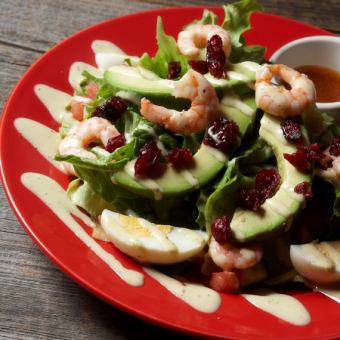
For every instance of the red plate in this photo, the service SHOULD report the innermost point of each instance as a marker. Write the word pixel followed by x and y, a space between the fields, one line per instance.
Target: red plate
pixel 236 318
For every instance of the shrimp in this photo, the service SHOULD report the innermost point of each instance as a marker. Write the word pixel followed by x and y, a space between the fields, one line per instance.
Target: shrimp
pixel 195 37
pixel 82 134
pixel 279 101
pixel 229 256
pixel 203 110
pixel 331 174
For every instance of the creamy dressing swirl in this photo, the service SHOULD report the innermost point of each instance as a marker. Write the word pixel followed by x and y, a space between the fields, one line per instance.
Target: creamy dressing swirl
pixel 45 140
pixel 284 307
pixel 54 196
pixel 197 296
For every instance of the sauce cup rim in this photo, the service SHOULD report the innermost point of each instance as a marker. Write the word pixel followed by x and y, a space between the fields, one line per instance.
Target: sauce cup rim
pixel 301 41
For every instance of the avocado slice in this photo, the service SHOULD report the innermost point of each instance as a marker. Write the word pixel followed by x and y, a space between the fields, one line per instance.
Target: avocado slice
pixel 277 212
pixel 159 91
pixel 208 162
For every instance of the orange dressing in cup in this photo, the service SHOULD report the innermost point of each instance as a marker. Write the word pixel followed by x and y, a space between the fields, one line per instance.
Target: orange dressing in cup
pixel 326 81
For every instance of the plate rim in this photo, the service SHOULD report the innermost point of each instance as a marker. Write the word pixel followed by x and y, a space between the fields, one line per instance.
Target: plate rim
pixel 83 282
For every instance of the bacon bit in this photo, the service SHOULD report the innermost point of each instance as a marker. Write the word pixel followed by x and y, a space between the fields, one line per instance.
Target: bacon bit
pixel 224 282
pixel 305 189
pixel 77 109
pixel 291 129
pixel 200 66
pixel 92 89
pixel 220 229
pixel 174 69
pixel 115 143
pixel 180 157
pixel 334 148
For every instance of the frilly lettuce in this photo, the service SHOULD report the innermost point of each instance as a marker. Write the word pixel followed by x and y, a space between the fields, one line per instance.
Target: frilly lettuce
pixel 236 22
pixel 167 52
pixel 208 18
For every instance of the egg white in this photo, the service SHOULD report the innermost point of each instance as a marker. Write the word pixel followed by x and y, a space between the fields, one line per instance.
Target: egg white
pixel 151 243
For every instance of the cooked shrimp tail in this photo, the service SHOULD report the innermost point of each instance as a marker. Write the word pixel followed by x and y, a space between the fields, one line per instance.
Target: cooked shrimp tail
pixel 276 99
pixel 195 37
pixel 80 136
pixel 203 110
pixel 229 256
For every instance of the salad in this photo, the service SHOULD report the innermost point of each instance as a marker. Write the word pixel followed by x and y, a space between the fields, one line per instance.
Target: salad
pixel 205 158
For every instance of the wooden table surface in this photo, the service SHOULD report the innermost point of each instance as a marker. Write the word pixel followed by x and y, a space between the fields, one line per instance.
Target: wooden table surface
pixel 37 301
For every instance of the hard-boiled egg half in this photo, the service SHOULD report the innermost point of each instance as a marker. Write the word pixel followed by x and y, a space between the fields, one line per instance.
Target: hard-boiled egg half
pixel 151 243
pixel 318 262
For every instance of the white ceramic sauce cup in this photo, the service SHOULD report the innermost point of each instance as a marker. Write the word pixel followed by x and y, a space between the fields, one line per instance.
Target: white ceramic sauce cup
pixel 317 50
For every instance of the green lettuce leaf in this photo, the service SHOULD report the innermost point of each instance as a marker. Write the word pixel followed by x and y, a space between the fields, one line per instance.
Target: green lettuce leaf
pixel 223 201
pixel 103 164
pixel 208 18
pixel 220 199
pixel 121 199
pixel 167 52
pixel 85 197
pixel 236 22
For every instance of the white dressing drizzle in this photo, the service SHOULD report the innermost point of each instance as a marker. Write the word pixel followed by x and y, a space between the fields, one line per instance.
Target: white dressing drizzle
pixel 250 65
pixel 106 60
pixel 217 154
pixel 289 188
pixel 55 102
pixel 45 140
pixel 105 46
pixel 75 75
pixel 197 296
pixel 278 207
pixel 235 101
pixel 132 97
pixel 147 183
pixel 193 181
pixel 54 196
pixel 238 76
pixel 284 307
pixel 153 133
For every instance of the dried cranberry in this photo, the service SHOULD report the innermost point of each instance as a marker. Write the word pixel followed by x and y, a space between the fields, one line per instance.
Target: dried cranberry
pixel 115 143
pixel 266 182
pixel 149 156
pixel 216 58
pixel 305 189
pixel 180 157
pixel 315 154
pixel 223 134
pixel 174 69
pixel 250 199
pixel 200 66
pixel 220 229
pixel 298 159
pixel 111 109
pixel 334 148
pixel 291 129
